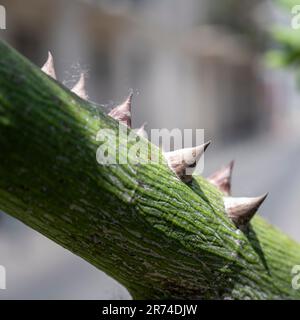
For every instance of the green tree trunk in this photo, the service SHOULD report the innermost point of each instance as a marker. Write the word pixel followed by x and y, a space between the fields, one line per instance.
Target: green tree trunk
pixel 159 237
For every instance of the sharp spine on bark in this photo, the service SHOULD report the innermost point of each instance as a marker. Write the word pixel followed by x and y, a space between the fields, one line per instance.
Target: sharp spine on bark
pixel 141 131
pixel 122 113
pixel 48 67
pixel 80 88
pixel 242 210
pixel 222 178
pixel 183 159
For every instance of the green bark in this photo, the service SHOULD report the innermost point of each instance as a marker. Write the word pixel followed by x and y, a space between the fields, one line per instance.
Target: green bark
pixel 157 236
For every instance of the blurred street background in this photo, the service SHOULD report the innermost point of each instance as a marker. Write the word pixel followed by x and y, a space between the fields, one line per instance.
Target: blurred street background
pixel 191 64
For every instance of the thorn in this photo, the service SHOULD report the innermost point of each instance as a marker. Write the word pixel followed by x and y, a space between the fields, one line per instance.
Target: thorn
pixel 182 159
pixel 48 67
pixel 122 112
pixel 141 131
pixel 80 87
pixel 222 178
pixel 241 210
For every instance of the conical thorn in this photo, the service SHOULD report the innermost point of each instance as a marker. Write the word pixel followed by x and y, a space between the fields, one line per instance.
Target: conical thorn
pixel 48 67
pixel 222 178
pixel 181 160
pixel 242 210
pixel 141 131
pixel 122 113
pixel 80 87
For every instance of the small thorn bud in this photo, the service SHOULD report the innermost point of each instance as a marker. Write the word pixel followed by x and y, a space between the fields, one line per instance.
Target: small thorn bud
pixel 141 131
pixel 48 67
pixel 181 160
pixel 241 210
pixel 122 112
pixel 80 87
pixel 222 179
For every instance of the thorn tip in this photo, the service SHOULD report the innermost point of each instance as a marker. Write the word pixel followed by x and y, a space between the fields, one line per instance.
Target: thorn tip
pixel 80 87
pixel 222 178
pixel 141 131
pixel 122 112
pixel 242 210
pixel 181 161
pixel 48 67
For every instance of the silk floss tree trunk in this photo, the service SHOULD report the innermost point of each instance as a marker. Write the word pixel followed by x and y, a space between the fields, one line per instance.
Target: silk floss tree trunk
pixel 162 233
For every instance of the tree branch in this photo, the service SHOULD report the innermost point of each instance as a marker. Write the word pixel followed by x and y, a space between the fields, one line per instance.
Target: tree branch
pixel 159 237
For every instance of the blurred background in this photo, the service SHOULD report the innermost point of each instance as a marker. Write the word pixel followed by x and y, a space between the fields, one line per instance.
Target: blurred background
pixel 191 64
